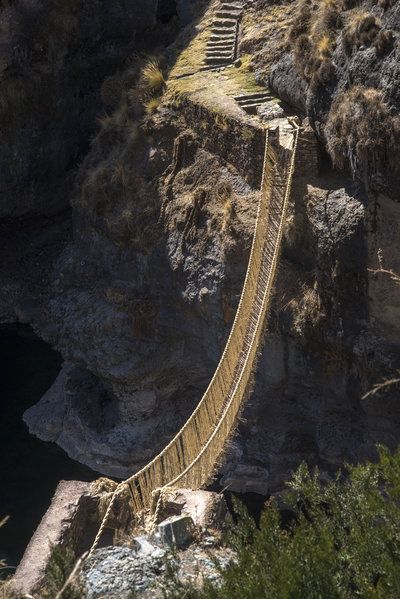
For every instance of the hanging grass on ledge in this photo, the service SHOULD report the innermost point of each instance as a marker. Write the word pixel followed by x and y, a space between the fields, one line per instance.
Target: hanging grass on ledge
pixel 343 541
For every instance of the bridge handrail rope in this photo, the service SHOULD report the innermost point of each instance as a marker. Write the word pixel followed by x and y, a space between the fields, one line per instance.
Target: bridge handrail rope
pixel 191 457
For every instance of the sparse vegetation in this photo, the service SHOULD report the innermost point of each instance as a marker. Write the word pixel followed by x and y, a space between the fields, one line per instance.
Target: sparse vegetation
pixel 60 566
pixel 307 311
pixel 112 192
pixel 384 42
pixel 151 80
pixel 361 131
pixel 362 30
pixel 341 543
pixel 313 39
pixel 224 195
pixel 314 32
pixel 151 105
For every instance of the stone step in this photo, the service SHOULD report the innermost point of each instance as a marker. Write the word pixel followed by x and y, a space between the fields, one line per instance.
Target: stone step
pixel 250 109
pixel 217 60
pixel 230 39
pixel 224 30
pixel 222 37
pixel 252 96
pixel 210 67
pixel 231 6
pixel 221 45
pixel 228 14
pixel 255 102
pixel 224 46
pixel 224 23
pixel 219 53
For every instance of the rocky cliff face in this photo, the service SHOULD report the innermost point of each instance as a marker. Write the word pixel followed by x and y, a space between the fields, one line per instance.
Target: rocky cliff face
pixel 54 57
pixel 143 297
pixel 340 65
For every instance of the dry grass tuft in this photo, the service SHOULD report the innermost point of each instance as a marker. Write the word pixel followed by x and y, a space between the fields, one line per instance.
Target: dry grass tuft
pixel 361 131
pixel 384 42
pixel 104 485
pixel 312 37
pixel 361 30
pixel 324 46
pixel 224 197
pixel 151 105
pixel 151 81
pixel 308 311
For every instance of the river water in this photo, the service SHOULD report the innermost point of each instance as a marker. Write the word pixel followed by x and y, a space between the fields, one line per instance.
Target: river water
pixel 29 469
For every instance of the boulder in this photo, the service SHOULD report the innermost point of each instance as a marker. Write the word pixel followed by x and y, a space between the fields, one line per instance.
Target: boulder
pixel 176 531
pixel 69 522
pixel 205 508
pixel 118 572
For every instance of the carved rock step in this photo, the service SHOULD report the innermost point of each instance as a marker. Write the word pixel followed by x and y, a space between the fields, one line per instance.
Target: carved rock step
pixel 220 44
pixel 215 67
pixel 251 108
pixel 231 6
pixel 218 37
pixel 224 23
pixel 255 102
pixel 250 102
pixel 217 61
pixel 262 95
pixel 228 14
pixel 225 48
pixel 219 52
pixel 220 29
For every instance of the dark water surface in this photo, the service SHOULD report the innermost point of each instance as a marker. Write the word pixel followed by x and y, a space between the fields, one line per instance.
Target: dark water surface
pixel 29 469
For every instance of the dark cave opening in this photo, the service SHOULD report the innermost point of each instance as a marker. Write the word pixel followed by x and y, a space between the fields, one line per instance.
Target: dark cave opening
pixel 166 10
pixel 29 468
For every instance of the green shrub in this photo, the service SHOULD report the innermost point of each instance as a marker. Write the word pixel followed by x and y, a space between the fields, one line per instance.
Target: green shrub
pixel 60 566
pixel 344 542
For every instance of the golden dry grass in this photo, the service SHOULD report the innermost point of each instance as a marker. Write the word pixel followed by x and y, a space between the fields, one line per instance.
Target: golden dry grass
pixel 151 105
pixel 307 310
pixel 152 81
pixel 324 46
pixel 361 131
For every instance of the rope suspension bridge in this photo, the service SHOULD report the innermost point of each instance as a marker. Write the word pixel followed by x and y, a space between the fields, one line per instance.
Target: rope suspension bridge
pixel 192 456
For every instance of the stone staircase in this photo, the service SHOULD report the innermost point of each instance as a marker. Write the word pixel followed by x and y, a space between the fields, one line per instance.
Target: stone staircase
pixel 222 46
pixel 250 102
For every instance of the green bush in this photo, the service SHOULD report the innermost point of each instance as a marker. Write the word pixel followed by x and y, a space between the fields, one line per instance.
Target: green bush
pixel 343 543
pixel 60 566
